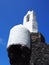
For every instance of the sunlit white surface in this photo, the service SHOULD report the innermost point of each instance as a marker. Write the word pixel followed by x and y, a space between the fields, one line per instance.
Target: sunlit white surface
pixel 19 35
pixel 30 24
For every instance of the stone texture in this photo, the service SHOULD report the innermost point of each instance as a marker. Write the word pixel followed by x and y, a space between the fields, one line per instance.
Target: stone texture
pixel 25 45
pixel 18 55
pixel 39 50
pixel 37 54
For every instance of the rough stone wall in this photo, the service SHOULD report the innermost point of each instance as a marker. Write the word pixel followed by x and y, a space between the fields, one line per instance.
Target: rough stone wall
pixel 18 55
pixel 37 54
pixel 39 50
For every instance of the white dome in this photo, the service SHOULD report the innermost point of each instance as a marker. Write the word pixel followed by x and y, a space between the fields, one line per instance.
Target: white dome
pixel 19 35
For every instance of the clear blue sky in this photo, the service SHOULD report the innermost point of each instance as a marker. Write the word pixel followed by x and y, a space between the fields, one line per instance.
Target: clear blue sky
pixel 12 13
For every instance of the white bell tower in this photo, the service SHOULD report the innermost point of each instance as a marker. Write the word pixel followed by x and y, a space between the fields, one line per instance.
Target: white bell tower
pixel 29 22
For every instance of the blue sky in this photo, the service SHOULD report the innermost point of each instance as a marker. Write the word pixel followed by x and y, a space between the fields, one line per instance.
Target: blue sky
pixel 12 13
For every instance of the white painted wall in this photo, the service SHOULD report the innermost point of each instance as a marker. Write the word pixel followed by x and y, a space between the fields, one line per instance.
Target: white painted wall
pixel 19 35
pixel 31 25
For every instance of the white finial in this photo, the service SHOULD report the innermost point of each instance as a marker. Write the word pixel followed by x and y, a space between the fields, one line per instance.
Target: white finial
pixel 30 22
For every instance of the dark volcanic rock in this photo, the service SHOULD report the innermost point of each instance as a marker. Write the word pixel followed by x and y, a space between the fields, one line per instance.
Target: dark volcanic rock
pixel 38 54
pixel 39 51
pixel 18 55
